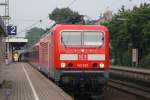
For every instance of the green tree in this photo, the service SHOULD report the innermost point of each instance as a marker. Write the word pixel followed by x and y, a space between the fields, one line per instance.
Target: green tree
pixel 33 35
pixel 65 15
pixel 133 31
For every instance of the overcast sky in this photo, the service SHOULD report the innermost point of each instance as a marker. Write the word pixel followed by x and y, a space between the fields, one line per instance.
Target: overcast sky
pixel 24 13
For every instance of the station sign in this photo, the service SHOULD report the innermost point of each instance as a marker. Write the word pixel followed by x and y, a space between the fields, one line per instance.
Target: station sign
pixel 12 30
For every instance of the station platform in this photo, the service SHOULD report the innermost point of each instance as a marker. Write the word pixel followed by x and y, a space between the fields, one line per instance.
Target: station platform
pixel 23 82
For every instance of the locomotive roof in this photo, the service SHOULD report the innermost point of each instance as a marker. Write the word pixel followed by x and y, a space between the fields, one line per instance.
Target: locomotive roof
pixel 77 26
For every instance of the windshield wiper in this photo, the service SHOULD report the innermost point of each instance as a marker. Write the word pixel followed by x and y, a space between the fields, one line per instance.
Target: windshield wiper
pixel 62 40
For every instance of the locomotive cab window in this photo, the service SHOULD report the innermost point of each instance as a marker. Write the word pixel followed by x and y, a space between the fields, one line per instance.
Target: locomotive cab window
pixel 93 38
pixel 82 38
pixel 71 38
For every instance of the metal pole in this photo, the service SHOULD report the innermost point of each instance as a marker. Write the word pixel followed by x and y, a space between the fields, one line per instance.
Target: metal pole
pixel 7 48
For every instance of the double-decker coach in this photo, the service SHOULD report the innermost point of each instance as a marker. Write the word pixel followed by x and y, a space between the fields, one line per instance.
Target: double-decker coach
pixel 75 55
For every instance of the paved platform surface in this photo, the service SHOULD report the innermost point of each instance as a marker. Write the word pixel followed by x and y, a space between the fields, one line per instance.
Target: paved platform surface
pixel 23 82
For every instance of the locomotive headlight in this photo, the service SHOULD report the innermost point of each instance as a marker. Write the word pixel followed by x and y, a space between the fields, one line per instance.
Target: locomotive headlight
pixel 63 65
pixel 82 50
pixel 101 65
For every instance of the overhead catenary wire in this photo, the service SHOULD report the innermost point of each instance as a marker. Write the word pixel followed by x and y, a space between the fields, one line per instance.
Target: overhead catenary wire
pixel 72 2
pixel 32 25
pixel 28 27
pixel 25 20
pixel 39 21
pixel 56 3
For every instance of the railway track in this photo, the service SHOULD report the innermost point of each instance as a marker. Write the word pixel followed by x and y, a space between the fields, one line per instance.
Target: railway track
pixel 131 73
pixel 130 88
pixel 131 80
pixel 127 86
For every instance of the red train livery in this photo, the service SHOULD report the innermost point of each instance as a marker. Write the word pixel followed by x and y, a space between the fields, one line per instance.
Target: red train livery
pixel 76 55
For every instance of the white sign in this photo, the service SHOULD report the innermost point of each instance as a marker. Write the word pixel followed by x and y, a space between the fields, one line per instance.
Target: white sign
pixel 134 55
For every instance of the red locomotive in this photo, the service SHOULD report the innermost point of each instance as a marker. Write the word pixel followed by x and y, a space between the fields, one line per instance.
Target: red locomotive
pixel 74 55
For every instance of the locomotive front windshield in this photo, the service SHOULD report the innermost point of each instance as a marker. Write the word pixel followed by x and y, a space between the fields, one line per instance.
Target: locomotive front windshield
pixel 82 38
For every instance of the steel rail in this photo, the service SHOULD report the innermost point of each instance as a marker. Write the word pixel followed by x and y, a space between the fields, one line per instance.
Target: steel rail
pixel 130 88
pixel 133 70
